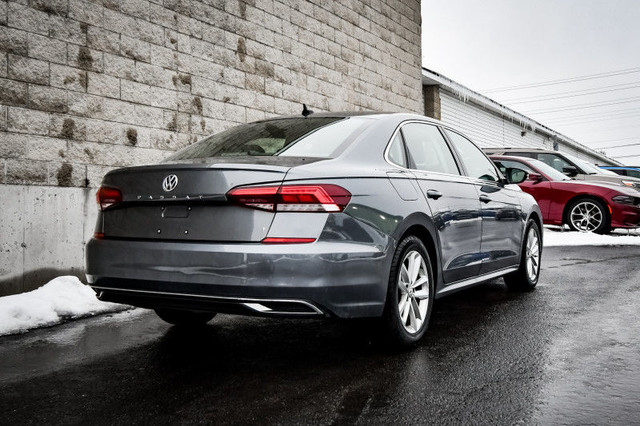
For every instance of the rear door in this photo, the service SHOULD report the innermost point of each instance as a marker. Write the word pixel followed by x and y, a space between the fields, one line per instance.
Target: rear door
pixel 502 216
pixel 452 199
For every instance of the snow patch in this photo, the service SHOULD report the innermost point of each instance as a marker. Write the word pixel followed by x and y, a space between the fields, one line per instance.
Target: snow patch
pixel 60 299
pixel 558 237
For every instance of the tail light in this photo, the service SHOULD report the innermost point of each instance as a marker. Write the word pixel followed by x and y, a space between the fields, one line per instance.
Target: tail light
pixel 293 198
pixel 108 197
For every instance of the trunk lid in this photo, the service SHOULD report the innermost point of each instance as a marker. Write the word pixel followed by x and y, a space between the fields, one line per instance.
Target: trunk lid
pixel 188 202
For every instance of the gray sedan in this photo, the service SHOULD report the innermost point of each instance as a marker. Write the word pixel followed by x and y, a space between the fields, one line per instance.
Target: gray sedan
pixel 353 215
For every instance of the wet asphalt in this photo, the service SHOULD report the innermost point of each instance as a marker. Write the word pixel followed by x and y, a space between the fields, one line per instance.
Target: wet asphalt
pixel 568 353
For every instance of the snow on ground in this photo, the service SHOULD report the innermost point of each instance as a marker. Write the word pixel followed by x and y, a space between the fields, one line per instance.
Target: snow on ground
pixel 60 299
pixel 556 236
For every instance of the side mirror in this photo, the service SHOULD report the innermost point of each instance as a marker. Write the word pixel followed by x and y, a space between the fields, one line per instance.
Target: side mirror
pixel 535 177
pixel 515 175
pixel 570 171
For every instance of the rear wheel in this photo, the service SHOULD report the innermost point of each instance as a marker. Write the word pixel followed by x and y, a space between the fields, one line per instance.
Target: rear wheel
pixel 526 277
pixel 410 293
pixel 184 318
pixel 588 215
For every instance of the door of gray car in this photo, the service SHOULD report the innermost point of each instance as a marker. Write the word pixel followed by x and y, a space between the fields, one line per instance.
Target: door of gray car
pixel 452 198
pixel 502 218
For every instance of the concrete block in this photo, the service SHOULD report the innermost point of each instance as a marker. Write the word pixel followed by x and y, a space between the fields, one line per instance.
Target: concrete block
pixel 47 49
pixel 68 127
pixel 103 85
pixel 135 49
pixel 85 105
pixel 68 78
pixel 147 95
pixel 148 116
pixel 119 66
pixel 103 39
pixel 23 120
pixel 11 146
pixel 28 19
pixel 88 12
pixel 26 172
pixel 137 8
pixel 67 30
pixel 84 58
pixel 29 70
pixel 47 98
pixel 13 41
pixel 13 92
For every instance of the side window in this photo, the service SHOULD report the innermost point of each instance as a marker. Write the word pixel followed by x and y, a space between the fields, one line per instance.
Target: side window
pixel 428 149
pixel 633 173
pixel 396 151
pixel 478 166
pixel 554 161
pixel 503 165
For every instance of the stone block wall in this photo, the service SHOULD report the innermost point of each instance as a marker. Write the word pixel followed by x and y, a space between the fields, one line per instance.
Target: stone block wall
pixel 87 86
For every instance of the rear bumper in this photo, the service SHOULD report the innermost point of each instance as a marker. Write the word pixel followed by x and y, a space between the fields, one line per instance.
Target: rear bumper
pixel 333 278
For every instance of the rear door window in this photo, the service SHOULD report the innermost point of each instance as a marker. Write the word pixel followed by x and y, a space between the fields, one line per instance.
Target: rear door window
pixel 428 150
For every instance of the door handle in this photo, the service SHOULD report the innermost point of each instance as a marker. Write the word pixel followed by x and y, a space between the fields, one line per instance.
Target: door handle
pixel 485 198
pixel 432 193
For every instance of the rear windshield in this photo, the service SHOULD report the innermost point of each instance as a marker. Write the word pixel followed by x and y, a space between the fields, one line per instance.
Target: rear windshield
pixel 319 137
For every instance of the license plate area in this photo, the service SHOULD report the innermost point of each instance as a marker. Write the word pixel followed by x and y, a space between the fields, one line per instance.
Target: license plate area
pixel 175 212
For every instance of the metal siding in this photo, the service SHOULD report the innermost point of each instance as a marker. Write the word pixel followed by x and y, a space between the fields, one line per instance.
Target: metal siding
pixel 485 128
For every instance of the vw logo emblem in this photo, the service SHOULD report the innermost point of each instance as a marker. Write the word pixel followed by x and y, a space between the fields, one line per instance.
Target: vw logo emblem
pixel 170 183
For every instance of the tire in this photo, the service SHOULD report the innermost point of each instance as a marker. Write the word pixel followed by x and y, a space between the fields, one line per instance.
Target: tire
pixel 526 277
pixel 184 318
pixel 408 309
pixel 588 215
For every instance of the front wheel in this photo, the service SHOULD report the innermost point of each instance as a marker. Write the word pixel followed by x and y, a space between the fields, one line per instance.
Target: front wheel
pixel 184 318
pixel 526 277
pixel 410 293
pixel 588 215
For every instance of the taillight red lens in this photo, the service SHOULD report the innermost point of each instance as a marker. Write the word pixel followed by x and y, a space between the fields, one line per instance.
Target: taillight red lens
pixel 108 197
pixel 293 198
pixel 257 197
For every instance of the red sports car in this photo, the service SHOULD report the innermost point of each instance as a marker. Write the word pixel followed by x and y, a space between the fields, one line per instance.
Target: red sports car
pixel 584 206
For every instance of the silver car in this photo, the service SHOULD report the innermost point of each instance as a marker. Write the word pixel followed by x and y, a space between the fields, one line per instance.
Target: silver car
pixel 354 215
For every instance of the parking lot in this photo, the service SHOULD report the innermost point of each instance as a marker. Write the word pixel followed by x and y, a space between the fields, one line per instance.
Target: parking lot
pixel 566 353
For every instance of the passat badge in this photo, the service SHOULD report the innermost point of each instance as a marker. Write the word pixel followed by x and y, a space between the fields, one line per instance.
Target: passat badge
pixel 170 183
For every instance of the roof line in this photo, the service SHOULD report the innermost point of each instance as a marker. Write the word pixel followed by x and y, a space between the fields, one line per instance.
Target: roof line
pixel 466 94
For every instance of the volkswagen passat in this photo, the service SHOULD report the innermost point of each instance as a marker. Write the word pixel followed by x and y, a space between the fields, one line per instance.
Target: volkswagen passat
pixel 330 215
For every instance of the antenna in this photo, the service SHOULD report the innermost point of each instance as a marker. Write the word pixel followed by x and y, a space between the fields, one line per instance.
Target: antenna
pixel 306 111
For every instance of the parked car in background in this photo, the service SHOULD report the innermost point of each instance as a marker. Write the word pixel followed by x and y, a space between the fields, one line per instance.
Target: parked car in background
pixel 568 164
pixel 624 170
pixel 330 215
pixel 584 206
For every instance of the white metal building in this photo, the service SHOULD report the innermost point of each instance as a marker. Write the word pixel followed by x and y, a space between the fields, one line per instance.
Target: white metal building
pixel 490 124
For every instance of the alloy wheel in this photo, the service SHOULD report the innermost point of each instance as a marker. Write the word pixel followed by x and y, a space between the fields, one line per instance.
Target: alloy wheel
pixel 586 216
pixel 413 292
pixel 533 254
